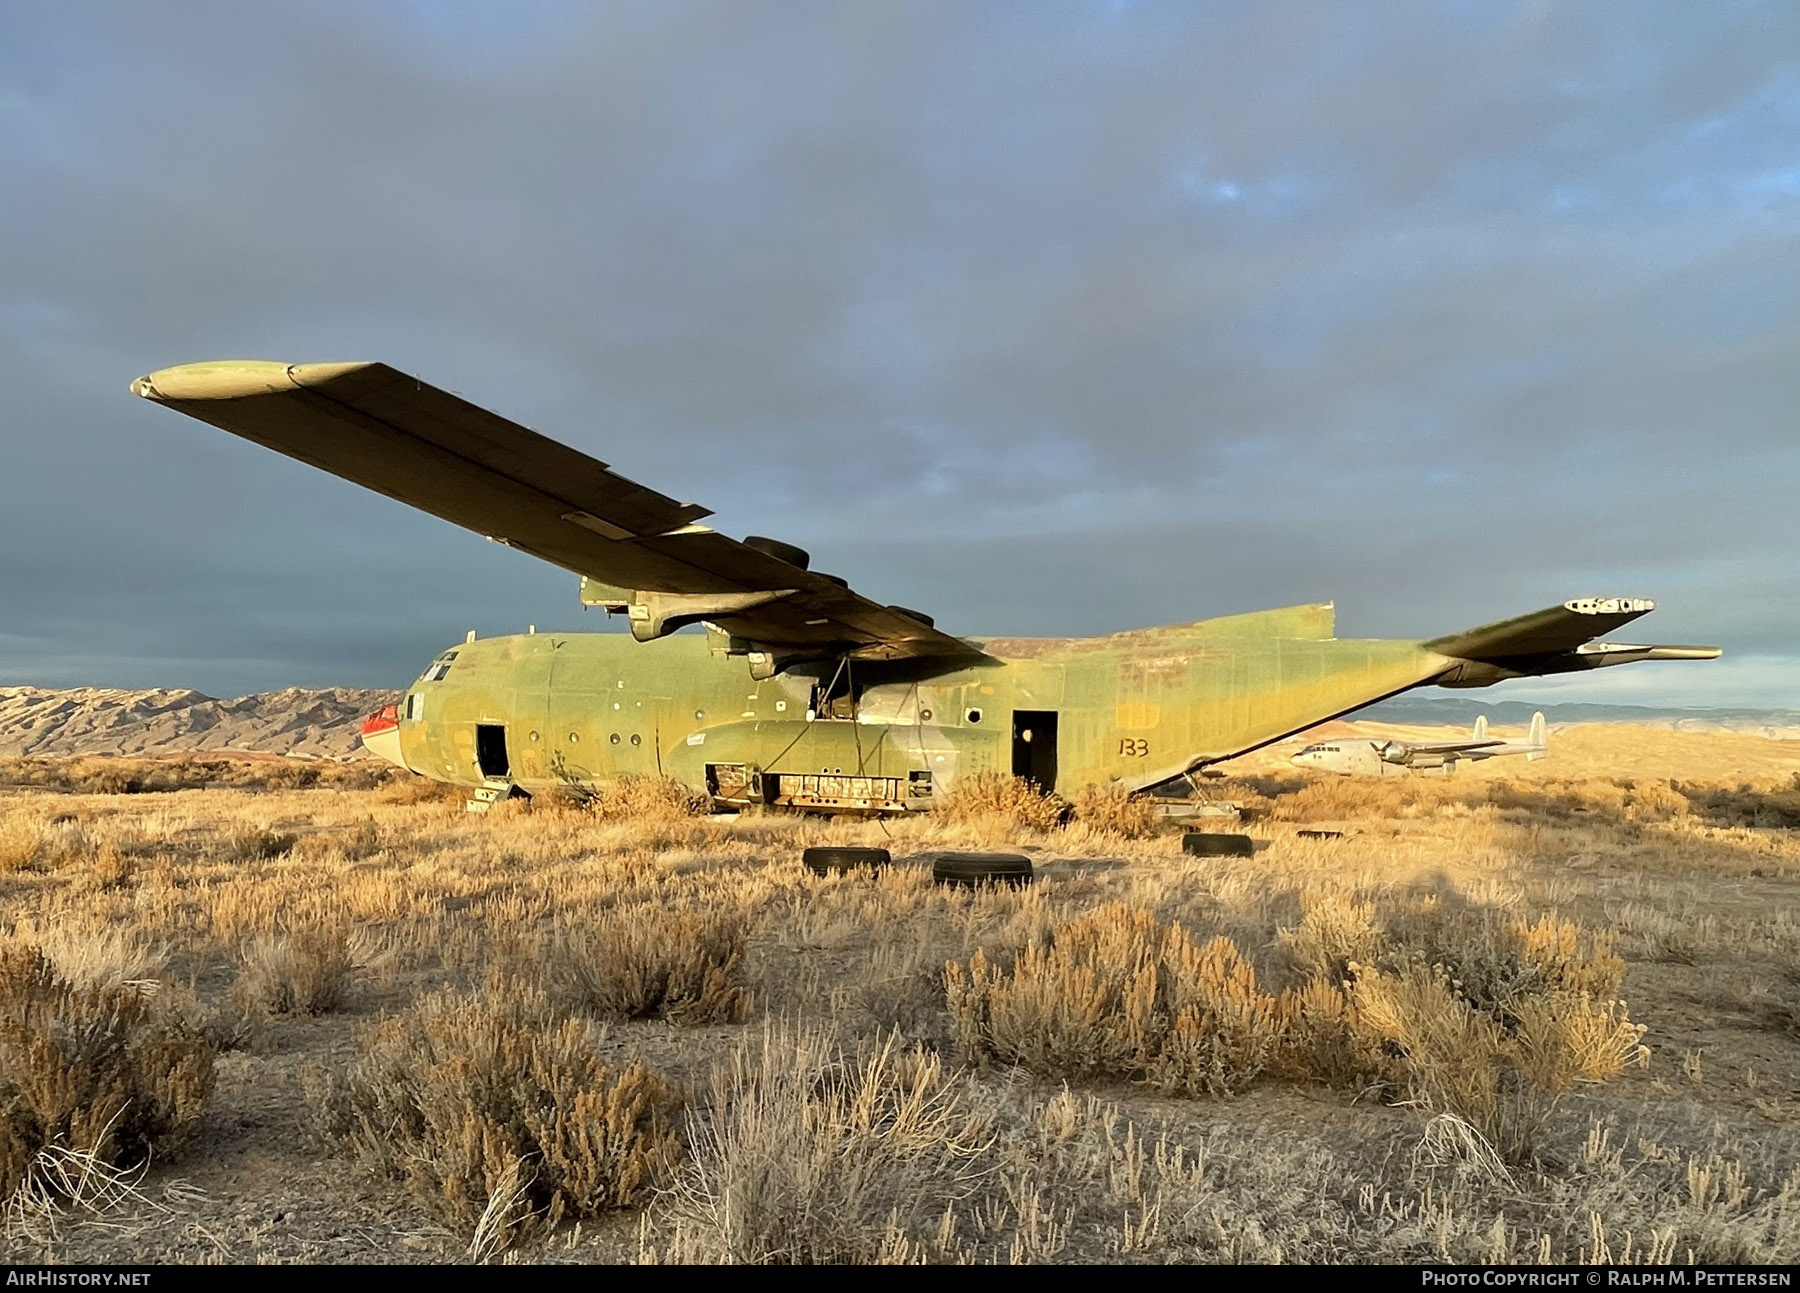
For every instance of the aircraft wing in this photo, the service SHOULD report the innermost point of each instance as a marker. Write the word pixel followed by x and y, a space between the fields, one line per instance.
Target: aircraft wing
pixel 1559 639
pixel 398 436
pixel 1450 747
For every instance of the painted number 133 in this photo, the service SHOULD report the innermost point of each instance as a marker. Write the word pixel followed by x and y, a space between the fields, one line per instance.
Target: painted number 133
pixel 1134 747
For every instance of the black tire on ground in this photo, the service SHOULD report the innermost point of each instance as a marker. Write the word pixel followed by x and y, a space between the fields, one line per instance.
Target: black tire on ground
pixel 780 551
pixel 970 869
pixel 1208 844
pixel 825 861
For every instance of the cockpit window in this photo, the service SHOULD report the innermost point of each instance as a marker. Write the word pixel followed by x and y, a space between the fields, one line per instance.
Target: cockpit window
pixel 439 667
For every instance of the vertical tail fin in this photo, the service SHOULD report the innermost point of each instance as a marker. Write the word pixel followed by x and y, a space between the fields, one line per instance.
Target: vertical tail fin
pixel 1481 727
pixel 1539 739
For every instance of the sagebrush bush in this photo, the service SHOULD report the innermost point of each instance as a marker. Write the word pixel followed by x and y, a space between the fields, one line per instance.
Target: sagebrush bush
pixel 984 797
pixel 305 971
pixel 1117 992
pixel 104 1069
pixel 650 961
pixel 1491 1020
pixel 86 956
pixel 1110 810
pixel 808 1155
pixel 635 797
pixel 258 844
pixel 1335 931
pixel 22 842
pixel 466 1098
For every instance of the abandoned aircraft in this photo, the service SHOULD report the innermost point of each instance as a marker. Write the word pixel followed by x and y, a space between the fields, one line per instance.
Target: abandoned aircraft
pixel 802 692
pixel 1393 758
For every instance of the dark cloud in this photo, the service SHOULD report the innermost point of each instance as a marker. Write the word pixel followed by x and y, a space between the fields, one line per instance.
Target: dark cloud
pixel 1048 318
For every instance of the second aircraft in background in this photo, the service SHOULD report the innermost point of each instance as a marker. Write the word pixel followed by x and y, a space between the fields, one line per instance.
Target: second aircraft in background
pixel 1390 758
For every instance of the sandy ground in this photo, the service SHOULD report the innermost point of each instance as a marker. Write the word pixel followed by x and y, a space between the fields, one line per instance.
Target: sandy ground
pixel 1698 895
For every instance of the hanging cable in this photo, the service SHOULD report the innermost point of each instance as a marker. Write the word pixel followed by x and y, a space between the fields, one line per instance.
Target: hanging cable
pixel 813 714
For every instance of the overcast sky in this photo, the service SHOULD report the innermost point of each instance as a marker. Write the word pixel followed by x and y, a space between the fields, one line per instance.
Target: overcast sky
pixel 1044 318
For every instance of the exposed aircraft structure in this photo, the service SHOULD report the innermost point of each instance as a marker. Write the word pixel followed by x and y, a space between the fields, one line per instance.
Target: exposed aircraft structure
pixel 803 692
pixel 1354 757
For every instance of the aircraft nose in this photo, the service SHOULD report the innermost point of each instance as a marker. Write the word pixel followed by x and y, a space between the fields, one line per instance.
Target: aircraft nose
pixel 381 735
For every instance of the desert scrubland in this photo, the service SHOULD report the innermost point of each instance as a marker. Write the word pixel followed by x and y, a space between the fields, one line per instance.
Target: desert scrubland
pixel 311 1012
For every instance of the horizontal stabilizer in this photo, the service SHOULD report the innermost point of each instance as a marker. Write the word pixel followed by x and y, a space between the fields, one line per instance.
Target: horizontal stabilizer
pixel 1559 639
pixel 1558 628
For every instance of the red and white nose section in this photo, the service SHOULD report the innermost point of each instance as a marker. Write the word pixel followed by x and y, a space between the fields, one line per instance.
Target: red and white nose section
pixel 381 734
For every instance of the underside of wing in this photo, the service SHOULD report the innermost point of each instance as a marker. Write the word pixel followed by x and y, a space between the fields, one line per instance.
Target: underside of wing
pixel 1559 639
pixel 394 434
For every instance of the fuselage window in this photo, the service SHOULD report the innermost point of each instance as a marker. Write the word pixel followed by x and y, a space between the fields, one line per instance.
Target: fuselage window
pixel 974 716
pixel 415 707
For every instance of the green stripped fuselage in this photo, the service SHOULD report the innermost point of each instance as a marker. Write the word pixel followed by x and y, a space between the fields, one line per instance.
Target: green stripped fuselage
pixel 1132 709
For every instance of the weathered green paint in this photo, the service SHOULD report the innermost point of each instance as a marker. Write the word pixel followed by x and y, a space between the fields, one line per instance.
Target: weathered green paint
pixel 1135 709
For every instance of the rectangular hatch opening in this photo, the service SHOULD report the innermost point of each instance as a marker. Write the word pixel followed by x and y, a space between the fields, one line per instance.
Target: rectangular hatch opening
pixel 1034 747
pixel 490 750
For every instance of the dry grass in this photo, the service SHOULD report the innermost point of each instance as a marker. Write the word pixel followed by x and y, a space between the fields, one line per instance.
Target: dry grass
pixel 648 961
pixel 996 805
pixel 124 775
pixel 806 1154
pixel 637 797
pixel 1117 993
pixel 1110 811
pixel 499 1117
pixel 1420 1025
pixel 306 971
pixel 102 1069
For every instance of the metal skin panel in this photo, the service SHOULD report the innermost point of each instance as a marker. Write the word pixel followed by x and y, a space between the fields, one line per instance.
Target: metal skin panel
pixel 688 707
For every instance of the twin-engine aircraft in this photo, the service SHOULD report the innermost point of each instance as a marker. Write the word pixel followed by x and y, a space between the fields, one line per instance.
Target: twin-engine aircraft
pixel 1393 757
pixel 802 692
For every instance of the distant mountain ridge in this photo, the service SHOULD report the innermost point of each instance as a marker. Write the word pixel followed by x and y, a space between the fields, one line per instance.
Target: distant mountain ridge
pixel 325 721
pixel 1447 711
pixel 322 722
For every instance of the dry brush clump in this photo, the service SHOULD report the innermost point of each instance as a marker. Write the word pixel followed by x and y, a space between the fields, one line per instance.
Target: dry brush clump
pixel 1490 1019
pixel 127 775
pixel 633 797
pixel 258 844
pixel 106 1070
pixel 808 1154
pixel 649 961
pixel 999 803
pixel 1109 810
pixel 1118 993
pixel 306 971
pixel 500 1115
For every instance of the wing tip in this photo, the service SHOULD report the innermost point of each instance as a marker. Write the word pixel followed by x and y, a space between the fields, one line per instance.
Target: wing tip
pixel 233 379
